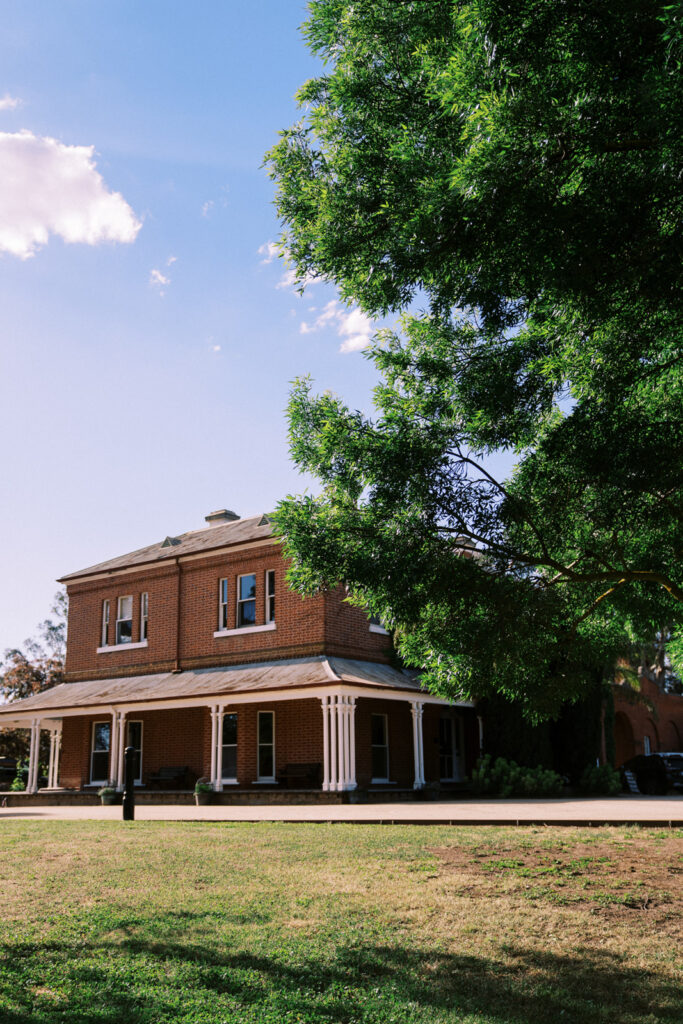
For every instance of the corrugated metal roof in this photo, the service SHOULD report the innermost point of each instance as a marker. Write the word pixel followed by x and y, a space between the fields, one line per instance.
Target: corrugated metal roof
pixel 212 682
pixel 196 541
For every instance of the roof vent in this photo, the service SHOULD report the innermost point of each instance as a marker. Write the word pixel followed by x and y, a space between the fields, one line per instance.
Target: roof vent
pixel 171 542
pixel 222 516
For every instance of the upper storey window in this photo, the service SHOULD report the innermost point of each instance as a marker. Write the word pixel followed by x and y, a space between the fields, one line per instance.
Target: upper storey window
pixel 105 624
pixel 123 631
pixel 144 615
pixel 246 600
pixel 223 605
pixel 254 609
pixel 270 595
pixel 124 620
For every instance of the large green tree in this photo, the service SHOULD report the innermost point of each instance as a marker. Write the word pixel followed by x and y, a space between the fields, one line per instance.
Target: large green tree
pixel 516 169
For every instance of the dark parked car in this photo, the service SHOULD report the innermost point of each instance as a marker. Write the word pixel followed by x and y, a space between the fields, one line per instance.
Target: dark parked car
pixel 656 774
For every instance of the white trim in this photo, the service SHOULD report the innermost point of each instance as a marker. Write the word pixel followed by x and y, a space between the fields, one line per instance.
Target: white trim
pixel 121 646
pixel 243 629
pixel 378 629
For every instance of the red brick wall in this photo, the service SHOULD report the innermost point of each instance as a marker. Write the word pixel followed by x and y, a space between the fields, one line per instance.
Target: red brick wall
pixel 347 631
pixel 304 627
pixel 400 729
pixel 85 625
pixel 663 723
pixel 169 738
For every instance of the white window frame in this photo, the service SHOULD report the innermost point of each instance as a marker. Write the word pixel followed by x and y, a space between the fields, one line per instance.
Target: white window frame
pixel 230 780
pixel 119 619
pixel 222 605
pixel 259 777
pixel 384 746
pixel 100 721
pixel 647 746
pixel 104 627
pixel 269 596
pixel 132 721
pixel 247 600
pixel 144 615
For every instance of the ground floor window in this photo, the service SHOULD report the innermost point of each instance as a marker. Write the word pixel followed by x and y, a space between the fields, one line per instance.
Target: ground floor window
pixel 450 748
pixel 134 740
pixel 379 740
pixel 266 746
pixel 229 769
pixel 99 752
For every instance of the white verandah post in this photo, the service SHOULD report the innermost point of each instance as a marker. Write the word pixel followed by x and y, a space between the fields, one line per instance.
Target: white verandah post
pixel 214 731
pixel 32 782
pixel 219 749
pixel 325 703
pixel 417 708
pixel 120 748
pixel 53 769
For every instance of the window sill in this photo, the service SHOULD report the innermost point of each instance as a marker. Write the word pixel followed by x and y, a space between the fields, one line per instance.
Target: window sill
pixel 382 782
pixel 245 629
pixel 266 782
pixel 121 647
pixel 229 782
pixel 378 629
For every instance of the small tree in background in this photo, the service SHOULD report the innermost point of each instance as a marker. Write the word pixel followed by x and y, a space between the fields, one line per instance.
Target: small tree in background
pixel 38 665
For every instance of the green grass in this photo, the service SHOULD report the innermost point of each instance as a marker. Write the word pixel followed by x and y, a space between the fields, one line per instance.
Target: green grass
pixel 224 923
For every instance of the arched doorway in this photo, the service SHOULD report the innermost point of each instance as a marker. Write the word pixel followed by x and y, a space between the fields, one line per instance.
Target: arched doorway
pixel 624 745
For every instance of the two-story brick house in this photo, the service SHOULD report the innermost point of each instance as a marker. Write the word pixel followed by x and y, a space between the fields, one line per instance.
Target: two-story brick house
pixel 195 652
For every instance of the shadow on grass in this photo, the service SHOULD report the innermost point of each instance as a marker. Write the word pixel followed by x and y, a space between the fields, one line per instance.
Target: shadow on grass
pixel 143 981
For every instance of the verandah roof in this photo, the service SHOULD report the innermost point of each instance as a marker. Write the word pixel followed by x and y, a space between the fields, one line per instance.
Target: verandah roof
pixel 295 674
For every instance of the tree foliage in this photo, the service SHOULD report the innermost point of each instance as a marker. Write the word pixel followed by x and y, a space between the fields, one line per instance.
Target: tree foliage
pixel 37 666
pixel 516 168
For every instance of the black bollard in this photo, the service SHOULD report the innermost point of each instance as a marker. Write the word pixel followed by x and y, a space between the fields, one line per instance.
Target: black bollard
pixel 129 785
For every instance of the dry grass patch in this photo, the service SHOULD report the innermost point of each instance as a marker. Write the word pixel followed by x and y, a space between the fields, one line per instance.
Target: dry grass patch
pixel 151 923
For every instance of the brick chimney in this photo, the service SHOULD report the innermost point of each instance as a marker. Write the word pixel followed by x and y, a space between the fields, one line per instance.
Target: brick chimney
pixel 222 516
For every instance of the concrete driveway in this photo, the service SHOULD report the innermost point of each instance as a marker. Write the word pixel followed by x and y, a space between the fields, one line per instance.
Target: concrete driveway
pixel 622 810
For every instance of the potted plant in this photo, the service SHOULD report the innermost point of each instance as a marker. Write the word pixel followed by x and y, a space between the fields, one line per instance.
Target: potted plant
pixel 203 792
pixel 108 794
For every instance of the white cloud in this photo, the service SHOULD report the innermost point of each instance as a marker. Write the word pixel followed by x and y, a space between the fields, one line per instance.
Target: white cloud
pixel 207 207
pixel 215 348
pixel 353 326
pixel 269 251
pixel 158 280
pixel 171 260
pixel 8 102
pixel 50 188
pixel 290 280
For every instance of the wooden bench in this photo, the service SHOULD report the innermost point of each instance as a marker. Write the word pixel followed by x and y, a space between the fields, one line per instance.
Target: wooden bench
pixel 301 776
pixel 170 777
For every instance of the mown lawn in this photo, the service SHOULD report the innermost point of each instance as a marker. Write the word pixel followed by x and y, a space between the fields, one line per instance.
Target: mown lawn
pixel 155 922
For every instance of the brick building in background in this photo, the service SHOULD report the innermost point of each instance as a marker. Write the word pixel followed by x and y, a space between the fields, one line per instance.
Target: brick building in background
pixel 195 652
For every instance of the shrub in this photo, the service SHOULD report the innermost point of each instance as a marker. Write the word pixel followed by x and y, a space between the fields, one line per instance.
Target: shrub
pixel 603 780
pixel 506 778
pixel 19 781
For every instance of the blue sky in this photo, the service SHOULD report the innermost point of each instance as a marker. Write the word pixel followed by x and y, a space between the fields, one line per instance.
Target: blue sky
pixel 143 380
